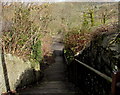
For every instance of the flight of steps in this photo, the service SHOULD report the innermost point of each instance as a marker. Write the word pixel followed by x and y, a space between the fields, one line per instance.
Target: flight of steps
pixel 55 80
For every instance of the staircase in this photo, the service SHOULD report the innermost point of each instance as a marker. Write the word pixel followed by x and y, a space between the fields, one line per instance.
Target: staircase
pixel 55 80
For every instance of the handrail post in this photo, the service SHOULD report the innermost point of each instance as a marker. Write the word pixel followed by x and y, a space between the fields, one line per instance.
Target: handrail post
pixel 116 83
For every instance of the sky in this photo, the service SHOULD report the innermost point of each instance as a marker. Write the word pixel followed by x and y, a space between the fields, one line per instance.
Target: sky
pixel 59 0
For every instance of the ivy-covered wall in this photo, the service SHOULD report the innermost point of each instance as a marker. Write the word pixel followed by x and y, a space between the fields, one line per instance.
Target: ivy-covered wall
pixel 103 53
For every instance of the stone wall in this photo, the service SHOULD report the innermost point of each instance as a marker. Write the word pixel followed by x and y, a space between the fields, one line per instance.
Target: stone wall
pixel 20 73
pixel 103 53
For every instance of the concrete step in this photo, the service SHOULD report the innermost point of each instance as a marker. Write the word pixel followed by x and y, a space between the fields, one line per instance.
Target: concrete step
pixel 57 53
pixel 35 93
pixel 52 88
pixel 54 81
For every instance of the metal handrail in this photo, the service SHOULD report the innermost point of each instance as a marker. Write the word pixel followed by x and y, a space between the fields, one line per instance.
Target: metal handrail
pixel 113 81
pixel 96 71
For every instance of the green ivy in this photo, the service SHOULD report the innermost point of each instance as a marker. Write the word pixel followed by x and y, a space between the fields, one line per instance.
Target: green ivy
pixel 36 51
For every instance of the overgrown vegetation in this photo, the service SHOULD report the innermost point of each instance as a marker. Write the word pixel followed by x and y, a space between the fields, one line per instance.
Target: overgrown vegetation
pixel 23 37
pixel 30 26
pixel 92 24
pixel 76 39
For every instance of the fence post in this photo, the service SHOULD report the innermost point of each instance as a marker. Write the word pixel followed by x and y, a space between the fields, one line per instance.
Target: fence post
pixel 116 83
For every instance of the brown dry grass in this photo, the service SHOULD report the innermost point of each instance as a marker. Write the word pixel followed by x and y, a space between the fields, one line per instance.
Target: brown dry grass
pixel 78 41
pixel 104 29
pixel 47 48
pixel 46 45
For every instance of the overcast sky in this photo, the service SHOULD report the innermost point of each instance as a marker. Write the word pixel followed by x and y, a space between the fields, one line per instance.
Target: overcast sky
pixel 59 0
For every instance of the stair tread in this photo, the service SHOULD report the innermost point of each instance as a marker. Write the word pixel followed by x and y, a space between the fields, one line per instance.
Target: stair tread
pixel 54 81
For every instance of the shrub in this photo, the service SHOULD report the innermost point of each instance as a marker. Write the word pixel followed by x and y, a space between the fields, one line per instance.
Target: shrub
pixel 23 38
pixel 76 39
